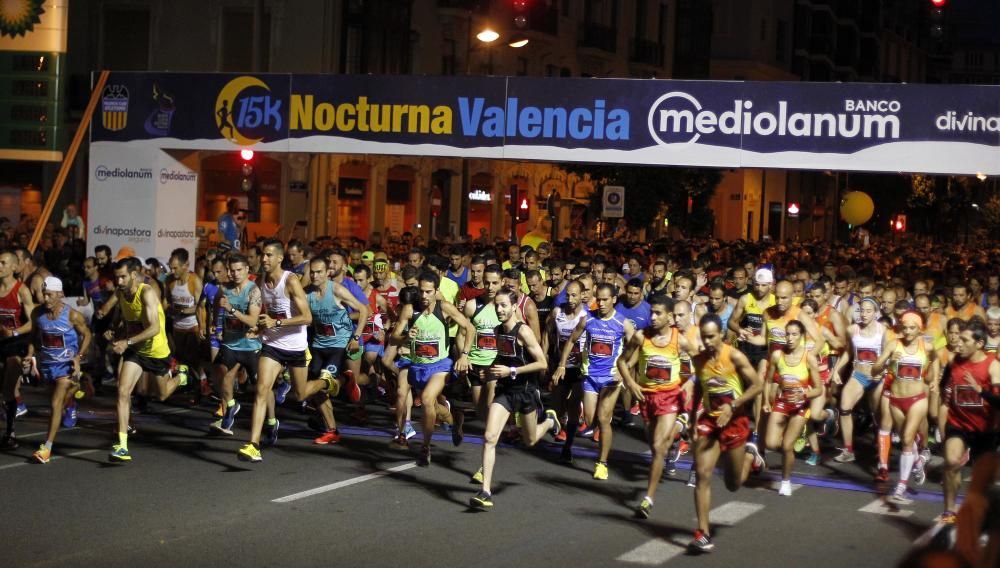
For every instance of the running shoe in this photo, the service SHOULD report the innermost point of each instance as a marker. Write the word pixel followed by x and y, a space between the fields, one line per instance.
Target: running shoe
pixel 758 460
pixel 399 443
pixel 895 438
pixel 281 392
pixel 584 430
pixel 845 456
pixel 328 437
pixel 353 390
pixel 424 459
pixel 332 386
pixel 947 518
pixel 22 408
pixel 702 543
pixel 597 434
pixel 477 477
pixel 644 509
pixel 692 478
pixel 674 453
pixel 119 454
pixel 182 375
pixel 813 459
pixel 482 501
pixel 271 437
pixel 882 476
pixel 230 417
pixel 408 431
pixel 831 426
pixel 131 430
pixel 918 473
pixel 249 453
pixel 600 471
pixel 800 442
pixel 684 447
pixel 221 410
pixel 899 497
pixel 456 436
pixel 561 436
pixel 42 454
pixel 8 442
pixel 219 429
pixel 785 489
pixel 566 455
pixel 556 426
pixel 69 416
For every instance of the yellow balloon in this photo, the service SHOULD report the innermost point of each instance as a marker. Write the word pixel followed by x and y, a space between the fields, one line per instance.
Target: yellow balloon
pixel 856 208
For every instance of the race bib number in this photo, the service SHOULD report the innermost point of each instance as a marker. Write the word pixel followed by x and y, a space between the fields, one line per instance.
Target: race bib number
pixel 53 340
pixel 486 341
pixel 426 349
pixel 276 314
pixel 326 330
pixel 601 348
pixel 790 382
pixel 658 371
pixel 867 356
pixel 908 372
pixel 505 346
pixel 754 322
pixel 967 397
pixel 7 321
pixel 685 369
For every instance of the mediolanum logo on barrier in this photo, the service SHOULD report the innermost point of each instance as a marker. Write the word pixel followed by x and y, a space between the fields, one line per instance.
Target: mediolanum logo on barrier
pixel 104 173
pixel 175 175
pixel 679 118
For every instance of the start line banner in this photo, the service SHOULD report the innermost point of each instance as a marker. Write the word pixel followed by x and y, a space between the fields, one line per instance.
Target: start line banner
pixel 946 129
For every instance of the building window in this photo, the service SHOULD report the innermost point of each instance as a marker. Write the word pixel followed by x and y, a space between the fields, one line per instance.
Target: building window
pixel 237 40
pixel 448 59
pixel 126 39
pixel 780 41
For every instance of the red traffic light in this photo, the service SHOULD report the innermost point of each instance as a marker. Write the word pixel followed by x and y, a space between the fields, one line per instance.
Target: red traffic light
pixel 939 3
pixel 793 209
pixel 246 154
pixel 524 204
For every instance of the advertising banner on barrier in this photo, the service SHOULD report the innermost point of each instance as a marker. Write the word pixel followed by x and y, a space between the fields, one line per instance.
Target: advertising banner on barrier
pixel 844 126
pixel 176 199
pixel 122 198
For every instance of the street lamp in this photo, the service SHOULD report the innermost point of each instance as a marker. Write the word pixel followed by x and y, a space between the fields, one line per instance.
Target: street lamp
pixel 488 36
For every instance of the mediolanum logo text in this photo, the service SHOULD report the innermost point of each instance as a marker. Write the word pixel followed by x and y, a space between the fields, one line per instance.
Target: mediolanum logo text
pixel 104 173
pixel 167 176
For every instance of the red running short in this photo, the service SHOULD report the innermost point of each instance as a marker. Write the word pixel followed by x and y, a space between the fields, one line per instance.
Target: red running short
pixel 733 435
pixel 660 403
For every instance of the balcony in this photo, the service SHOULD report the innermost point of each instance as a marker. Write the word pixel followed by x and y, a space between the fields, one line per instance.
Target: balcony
pixel 598 36
pixel 647 52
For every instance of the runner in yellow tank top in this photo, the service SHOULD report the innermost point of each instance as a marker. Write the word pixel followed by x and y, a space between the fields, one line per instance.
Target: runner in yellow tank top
pixel 141 340
pixel 726 382
pixel 654 355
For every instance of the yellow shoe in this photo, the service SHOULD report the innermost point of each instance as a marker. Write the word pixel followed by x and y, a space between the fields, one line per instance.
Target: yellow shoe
pixel 42 455
pixel 600 471
pixel 249 453
pixel 332 386
pixel 478 476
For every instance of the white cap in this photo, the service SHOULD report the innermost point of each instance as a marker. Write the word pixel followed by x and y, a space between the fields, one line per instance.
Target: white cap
pixel 764 276
pixel 53 284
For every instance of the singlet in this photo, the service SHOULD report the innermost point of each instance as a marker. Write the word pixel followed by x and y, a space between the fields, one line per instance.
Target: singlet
pixel 753 312
pixel 991 345
pixel 687 369
pixel 966 408
pixel 375 323
pixel 521 301
pixel 823 357
pixel 639 314
pixel 182 297
pixel 911 366
pixel 724 316
pixel 277 305
pixel 659 367
pixel 510 353
pixel 719 381
pixel 545 308
pixel 11 311
pixel 934 331
pixel 59 342
pixel 964 314
pixel 155 347
pixel 823 320
pixel 604 344
pixel 391 295
pixel 331 320
pixel 792 378
pixel 484 348
pixel 565 326
pixel 431 342
pixel 234 332
pixel 776 328
pixel 96 291
pixel 867 349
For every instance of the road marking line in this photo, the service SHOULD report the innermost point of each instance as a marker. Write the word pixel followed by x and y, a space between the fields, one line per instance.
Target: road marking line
pixel 926 538
pixel 345 483
pixel 657 551
pixel 54 458
pixel 879 507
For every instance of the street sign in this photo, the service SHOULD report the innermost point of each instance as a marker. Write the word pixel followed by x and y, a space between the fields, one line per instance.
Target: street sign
pixel 435 202
pixel 614 201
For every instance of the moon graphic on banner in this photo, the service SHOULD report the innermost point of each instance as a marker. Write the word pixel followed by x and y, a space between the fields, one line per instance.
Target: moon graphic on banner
pixel 228 96
pixel 856 208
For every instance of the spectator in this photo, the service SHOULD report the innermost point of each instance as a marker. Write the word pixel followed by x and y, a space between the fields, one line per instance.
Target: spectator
pixel 71 217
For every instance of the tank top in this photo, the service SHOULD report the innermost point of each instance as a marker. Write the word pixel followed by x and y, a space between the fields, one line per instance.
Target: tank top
pixel 823 357
pixel 965 313
pixel 911 366
pixel 659 367
pixel 604 344
pixel 155 347
pixel 510 353
pixel 484 348
pixel 565 326
pixel 96 291
pixel 966 408
pixel 181 296
pixel 776 328
pixel 431 343
pixel 991 345
pixel 277 305
pixel 726 313
pixel 686 369
pixel 823 320
pixel 867 349
pixel 792 379
pixel 331 320
pixel 753 312
pixel 11 312
pixel 520 306
pixel 59 342
pixel 719 381
pixel 545 308
pixel 374 323
pixel 234 332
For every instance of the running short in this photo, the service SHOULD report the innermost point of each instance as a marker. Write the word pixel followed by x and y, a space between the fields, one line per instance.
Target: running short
pixel 789 409
pixel 246 359
pixel 187 346
pixel 373 347
pixel 824 375
pixel 355 355
pixel 52 372
pixel 420 373
pixel 329 358
pixel 294 359
pixel 523 399
pixel 660 403
pixel 153 366
pixel 14 346
pixel 976 442
pixel 732 436
pixel 866 382
pixel 903 403
pixel 597 384
pixel 755 353
pixel 477 375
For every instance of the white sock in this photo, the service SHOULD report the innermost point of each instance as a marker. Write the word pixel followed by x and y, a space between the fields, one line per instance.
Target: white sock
pixel 906 460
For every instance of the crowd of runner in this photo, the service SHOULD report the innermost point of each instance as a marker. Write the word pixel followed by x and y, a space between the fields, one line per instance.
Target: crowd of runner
pixel 731 351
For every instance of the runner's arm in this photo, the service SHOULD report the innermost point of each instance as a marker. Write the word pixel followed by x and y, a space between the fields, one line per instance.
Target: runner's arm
pixel 887 352
pixel 531 345
pixel 83 332
pixel 628 360
pixel 28 306
pixel 814 379
pixel 362 310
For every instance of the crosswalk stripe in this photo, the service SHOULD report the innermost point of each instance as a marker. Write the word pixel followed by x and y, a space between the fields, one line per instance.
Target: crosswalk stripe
pixel 880 507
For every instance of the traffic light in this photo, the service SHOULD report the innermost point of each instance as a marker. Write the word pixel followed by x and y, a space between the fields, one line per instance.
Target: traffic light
pixel 520 9
pixel 937 17
pixel 246 184
pixel 518 205
pixel 793 209
pixel 523 208
pixel 899 225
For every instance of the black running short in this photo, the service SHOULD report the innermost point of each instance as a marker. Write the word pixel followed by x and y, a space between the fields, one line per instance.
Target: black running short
pixel 151 365
pixel 229 358
pixel 294 359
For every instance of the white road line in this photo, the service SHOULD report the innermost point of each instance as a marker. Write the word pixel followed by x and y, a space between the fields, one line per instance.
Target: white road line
pixel 879 507
pixel 345 483
pixel 925 539
pixel 54 458
pixel 46 432
pixel 657 551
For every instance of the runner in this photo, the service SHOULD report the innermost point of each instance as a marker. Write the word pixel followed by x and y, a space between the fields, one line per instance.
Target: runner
pixel 16 305
pixel 183 291
pixel 747 319
pixel 567 393
pixel 726 383
pixel 481 311
pixel 961 305
pixel 516 390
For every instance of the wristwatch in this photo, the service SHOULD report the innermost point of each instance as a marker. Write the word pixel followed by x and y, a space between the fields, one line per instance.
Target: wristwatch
pixel 232 311
pixel 356 337
pixel 732 405
pixel 513 373
pixel 128 342
pixel 277 324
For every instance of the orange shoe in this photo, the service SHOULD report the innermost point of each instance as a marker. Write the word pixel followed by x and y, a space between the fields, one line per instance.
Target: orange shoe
pixel 328 437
